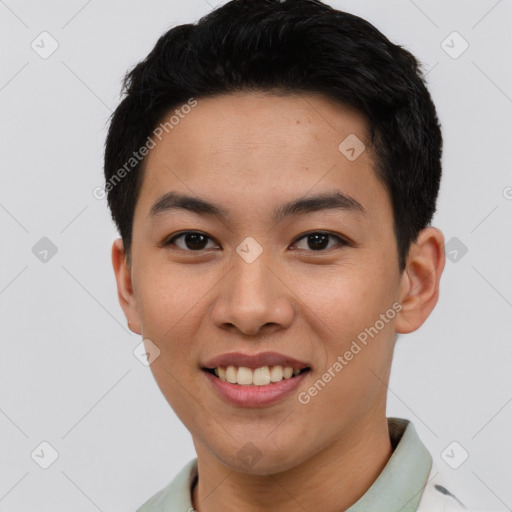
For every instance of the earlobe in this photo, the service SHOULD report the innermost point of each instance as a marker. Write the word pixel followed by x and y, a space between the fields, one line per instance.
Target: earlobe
pixel 419 289
pixel 125 293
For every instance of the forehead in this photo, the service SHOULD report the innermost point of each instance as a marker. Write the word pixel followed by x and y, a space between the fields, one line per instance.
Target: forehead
pixel 243 147
pixel 250 121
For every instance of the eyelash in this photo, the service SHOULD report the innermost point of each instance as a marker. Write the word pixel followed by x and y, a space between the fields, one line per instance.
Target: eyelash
pixel 341 241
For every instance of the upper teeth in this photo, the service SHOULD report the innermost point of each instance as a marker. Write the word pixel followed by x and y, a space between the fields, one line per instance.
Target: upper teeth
pixel 258 377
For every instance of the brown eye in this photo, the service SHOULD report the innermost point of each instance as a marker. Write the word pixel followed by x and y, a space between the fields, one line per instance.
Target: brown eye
pixel 319 241
pixel 190 241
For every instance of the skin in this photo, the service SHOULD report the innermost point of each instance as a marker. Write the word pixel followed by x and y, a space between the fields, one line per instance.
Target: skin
pixel 251 152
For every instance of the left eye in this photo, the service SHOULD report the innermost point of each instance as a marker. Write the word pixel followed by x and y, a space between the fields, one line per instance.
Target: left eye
pixel 319 241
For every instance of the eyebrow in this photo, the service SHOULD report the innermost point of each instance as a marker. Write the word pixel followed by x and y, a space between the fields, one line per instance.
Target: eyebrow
pixel 323 201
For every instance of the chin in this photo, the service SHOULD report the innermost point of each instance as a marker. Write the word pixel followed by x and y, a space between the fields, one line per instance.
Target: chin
pixel 255 459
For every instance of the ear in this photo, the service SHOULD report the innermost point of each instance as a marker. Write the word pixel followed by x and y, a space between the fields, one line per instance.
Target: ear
pixel 125 293
pixel 419 287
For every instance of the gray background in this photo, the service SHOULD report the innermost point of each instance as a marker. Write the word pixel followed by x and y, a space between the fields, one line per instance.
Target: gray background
pixel 68 375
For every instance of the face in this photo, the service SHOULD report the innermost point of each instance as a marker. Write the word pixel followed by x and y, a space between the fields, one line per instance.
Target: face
pixel 238 277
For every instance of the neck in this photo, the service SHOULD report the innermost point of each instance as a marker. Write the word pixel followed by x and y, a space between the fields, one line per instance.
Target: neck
pixel 331 480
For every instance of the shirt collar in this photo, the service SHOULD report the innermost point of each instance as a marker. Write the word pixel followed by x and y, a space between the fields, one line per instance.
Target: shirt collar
pixel 399 486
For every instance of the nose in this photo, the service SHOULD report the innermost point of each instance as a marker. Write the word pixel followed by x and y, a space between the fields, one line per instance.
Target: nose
pixel 254 299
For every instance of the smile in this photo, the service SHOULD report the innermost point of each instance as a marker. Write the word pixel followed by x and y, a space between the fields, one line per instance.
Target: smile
pixel 264 376
pixel 254 395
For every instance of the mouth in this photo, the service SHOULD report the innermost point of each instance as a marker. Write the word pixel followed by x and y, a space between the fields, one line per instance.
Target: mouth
pixel 260 386
pixel 263 376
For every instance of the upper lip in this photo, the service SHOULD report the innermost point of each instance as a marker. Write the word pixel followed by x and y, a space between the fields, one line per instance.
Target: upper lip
pixel 255 361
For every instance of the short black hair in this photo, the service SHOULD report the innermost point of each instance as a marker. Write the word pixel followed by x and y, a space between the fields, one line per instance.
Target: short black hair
pixel 290 46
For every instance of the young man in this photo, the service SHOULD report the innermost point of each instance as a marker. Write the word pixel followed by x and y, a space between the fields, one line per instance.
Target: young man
pixel 273 170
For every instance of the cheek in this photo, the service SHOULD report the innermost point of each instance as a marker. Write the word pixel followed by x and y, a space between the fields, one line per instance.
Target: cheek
pixel 167 298
pixel 355 331
pixel 344 301
pixel 170 311
pixel 352 316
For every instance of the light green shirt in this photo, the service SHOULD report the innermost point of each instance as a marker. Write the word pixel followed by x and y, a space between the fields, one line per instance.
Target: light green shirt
pixel 408 483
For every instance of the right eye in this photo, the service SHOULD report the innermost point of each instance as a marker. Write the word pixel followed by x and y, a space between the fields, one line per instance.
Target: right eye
pixel 191 241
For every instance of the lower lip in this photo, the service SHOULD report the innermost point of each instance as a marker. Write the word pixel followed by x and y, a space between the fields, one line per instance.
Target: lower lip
pixel 256 396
